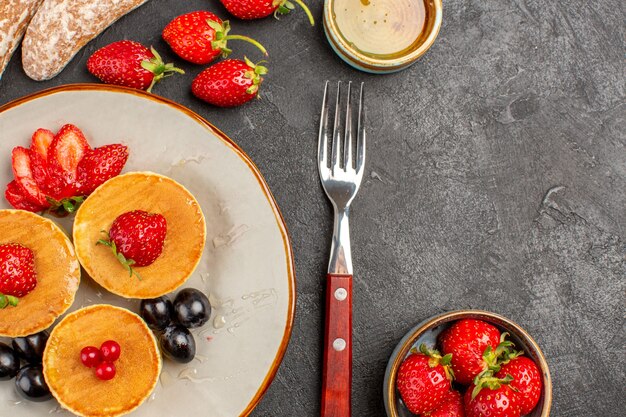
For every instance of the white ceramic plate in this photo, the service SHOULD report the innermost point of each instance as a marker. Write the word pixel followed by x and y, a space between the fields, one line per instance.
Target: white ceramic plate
pixel 247 266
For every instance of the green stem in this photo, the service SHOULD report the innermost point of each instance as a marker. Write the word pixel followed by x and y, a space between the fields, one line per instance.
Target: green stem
pixel 247 39
pixel 306 10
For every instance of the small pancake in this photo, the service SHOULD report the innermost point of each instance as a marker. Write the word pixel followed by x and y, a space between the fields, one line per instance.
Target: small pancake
pixel 56 266
pixel 154 193
pixel 76 387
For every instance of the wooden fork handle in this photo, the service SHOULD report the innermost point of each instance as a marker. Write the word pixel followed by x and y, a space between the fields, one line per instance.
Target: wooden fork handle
pixel 337 372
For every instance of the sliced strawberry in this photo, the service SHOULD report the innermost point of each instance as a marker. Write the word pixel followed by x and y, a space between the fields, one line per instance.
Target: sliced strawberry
pixel 24 177
pixel 40 142
pixel 17 199
pixel 38 152
pixel 99 165
pixel 66 150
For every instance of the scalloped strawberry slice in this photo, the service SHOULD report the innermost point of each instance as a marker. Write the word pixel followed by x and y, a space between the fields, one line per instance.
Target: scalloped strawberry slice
pixel 38 152
pixel 24 177
pixel 66 150
pixel 17 199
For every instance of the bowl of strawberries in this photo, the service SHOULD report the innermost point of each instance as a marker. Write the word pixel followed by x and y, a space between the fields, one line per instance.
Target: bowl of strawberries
pixel 467 363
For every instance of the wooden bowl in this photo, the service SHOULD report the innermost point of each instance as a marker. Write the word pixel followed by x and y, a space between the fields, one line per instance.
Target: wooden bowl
pixel 427 332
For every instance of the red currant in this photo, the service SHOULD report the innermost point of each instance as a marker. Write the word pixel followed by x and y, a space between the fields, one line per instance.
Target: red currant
pixel 105 371
pixel 110 350
pixel 90 356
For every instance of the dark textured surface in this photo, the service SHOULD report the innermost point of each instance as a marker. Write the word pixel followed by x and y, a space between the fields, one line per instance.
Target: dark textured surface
pixel 496 179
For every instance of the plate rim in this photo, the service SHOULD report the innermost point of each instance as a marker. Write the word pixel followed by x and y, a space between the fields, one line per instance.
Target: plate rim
pixel 282 349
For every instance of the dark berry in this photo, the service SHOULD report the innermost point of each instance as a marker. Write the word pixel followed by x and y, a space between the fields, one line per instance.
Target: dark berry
pixel 157 312
pixel 30 348
pixel 192 308
pixel 9 362
pixel 178 344
pixel 110 350
pixel 90 356
pixel 105 371
pixel 31 385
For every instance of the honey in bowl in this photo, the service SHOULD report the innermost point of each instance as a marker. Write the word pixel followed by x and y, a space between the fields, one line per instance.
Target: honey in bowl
pixel 380 28
pixel 381 36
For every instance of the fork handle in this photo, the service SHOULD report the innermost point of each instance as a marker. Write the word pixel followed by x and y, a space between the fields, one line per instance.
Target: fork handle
pixel 337 372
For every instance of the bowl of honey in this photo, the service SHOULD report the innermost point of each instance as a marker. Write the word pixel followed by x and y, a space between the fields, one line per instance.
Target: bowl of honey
pixel 381 36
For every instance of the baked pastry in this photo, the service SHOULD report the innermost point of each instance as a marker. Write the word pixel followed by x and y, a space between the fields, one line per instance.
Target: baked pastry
pixel 56 266
pixel 14 18
pixel 152 193
pixel 76 386
pixel 73 23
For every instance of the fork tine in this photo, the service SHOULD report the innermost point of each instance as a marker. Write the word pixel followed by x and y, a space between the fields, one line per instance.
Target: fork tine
pixel 322 143
pixel 360 146
pixel 347 147
pixel 336 151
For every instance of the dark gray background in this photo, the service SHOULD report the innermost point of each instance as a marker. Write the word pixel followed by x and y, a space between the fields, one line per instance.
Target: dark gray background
pixel 515 98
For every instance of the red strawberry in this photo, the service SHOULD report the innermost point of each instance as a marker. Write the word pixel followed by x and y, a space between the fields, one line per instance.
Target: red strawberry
pixel 130 64
pixel 494 398
pixel 38 153
pixel 65 152
pixel 99 165
pixel 467 341
pixel 201 36
pixel 17 199
pixel 17 273
pixel 24 177
pixel 423 380
pixel 229 83
pixel 257 9
pixel 526 380
pixel 452 406
pixel 137 237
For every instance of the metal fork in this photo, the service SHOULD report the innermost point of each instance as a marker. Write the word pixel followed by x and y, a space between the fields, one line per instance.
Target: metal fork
pixel 341 176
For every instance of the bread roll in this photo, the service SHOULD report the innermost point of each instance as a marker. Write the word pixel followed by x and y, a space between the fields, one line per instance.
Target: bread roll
pixel 14 17
pixel 60 28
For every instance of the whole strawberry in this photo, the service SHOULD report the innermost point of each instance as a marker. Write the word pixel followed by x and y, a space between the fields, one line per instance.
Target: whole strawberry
pixel 99 165
pixel 493 397
pixel 257 9
pixel 130 64
pixel 424 380
pixel 17 273
pixel 229 83
pixel 452 406
pixel 526 380
pixel 467 341
pixel 201 36
pixel 136 238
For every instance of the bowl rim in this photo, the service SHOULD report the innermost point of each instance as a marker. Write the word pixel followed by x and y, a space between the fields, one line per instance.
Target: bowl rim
pixel 368 63
pixel 405 344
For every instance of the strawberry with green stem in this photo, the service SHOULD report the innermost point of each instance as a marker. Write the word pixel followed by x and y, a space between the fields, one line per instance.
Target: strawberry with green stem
pixel 229 83
pixel 257 9
pixel 130 64
pixel 136 239
pixel 200 37
pixel 424 379
pixel 467 340
pixel 526 380
pixel 492 396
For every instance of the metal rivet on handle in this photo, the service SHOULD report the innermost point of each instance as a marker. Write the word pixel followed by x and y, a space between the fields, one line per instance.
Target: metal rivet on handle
pixel 341 294
pixel 339 344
